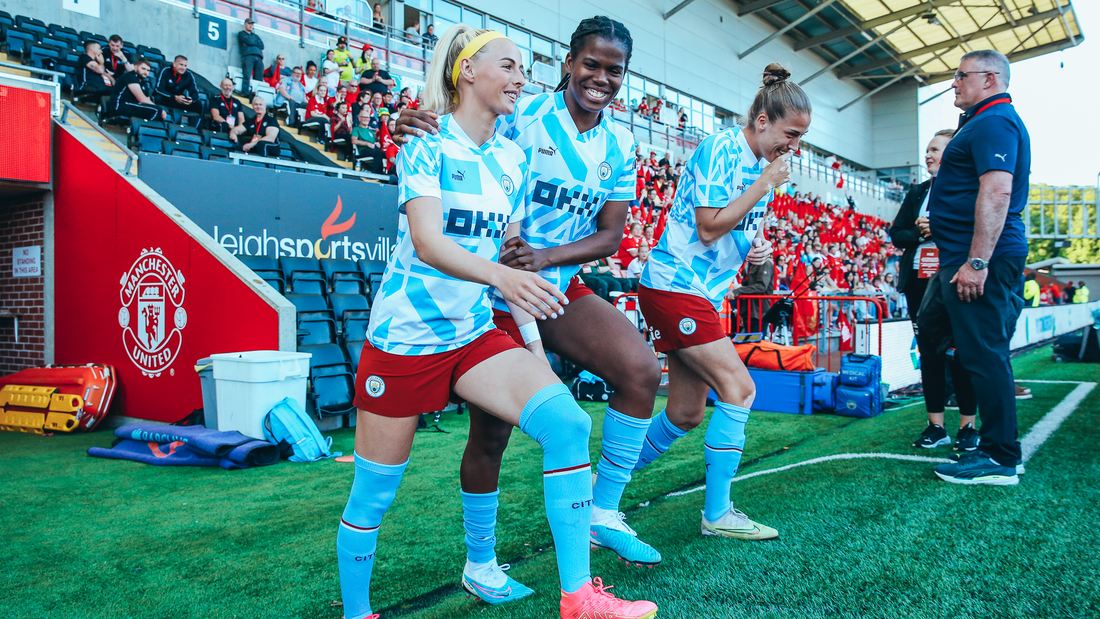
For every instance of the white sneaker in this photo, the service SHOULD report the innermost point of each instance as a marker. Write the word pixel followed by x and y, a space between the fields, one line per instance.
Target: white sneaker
pixel 735 524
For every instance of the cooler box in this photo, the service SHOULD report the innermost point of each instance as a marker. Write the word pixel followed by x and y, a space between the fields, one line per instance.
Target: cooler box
pixel 784 392
pixel 249 384
pixel 205 369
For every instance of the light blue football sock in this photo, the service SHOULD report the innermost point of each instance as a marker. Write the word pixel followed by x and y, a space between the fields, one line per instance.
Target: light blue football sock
pixel 725 440
pixel 660 436
pixel 622 442
pixel 562 428
pixel 479 515
pixel 372 494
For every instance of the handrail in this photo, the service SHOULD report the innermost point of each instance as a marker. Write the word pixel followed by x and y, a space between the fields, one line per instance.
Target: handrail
pixel 237 158
pixel 131 157
pixel 55 84
pixel 33 69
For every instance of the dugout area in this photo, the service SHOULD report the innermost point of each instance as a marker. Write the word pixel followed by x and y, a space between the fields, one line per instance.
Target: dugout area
pixel 90 538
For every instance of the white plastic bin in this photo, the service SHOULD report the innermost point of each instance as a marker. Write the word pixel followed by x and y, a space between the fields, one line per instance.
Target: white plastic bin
pixel 250 383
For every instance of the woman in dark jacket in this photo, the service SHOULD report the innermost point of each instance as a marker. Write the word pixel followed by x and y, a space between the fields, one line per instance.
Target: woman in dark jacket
pixel 910 232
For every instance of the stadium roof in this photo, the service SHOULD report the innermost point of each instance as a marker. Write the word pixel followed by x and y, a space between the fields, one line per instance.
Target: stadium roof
pixel 881 42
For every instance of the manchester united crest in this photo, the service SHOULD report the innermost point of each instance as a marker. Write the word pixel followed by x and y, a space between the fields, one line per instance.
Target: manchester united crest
pixel 152 316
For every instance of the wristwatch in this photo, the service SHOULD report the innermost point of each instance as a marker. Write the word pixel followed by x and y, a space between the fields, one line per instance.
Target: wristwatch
pixel 978 264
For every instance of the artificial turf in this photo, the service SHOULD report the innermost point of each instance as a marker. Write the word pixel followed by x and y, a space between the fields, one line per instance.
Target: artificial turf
pixel 93 538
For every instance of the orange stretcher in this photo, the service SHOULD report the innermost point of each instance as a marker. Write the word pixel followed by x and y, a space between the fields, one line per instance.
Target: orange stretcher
pixel 56 398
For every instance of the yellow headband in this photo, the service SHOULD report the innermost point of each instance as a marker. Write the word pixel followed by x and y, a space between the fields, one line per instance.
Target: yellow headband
pixel 472 48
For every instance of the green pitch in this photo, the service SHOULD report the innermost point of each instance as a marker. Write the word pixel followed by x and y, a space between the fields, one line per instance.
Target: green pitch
pixel 102 539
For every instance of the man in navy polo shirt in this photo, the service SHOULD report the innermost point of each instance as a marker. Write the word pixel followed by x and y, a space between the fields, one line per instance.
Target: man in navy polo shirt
pixel 974 215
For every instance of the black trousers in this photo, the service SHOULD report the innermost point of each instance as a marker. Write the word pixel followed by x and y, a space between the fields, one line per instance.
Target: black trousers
pixel 194 108
pixel 137 110
pixel 982 330
pixel 938 375
pixel 253 69
pixel 375 164
pixel 262 149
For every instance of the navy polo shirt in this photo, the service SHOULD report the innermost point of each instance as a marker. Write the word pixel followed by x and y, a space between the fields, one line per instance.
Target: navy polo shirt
pixel 994 139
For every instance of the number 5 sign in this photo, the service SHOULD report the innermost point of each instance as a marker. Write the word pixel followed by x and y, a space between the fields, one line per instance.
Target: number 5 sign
pixel 212 31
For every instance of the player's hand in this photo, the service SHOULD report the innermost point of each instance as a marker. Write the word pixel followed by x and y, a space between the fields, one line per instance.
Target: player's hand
pixel 925 231
pixel 531 293
pixel 761 252
pixel 414 123
pixel 969 284
pixel 517 254
pixel 778 171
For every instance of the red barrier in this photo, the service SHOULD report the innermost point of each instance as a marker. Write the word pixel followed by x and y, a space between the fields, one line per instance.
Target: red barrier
pixel 805 320
pixel 135 290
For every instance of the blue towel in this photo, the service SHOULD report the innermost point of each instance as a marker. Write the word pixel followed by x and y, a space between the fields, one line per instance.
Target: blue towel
pixel 163 445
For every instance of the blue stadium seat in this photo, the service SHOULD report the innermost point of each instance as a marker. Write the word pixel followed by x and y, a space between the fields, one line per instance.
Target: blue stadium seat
pixel 59 43
pixel 317 331
pixel 261 263
pixel 349 286
pixel 64 32
pixel 332 379
pixel 30 23
pixel 343 303
pixel 91 36
pixel 45 56
pixel 210 153
pixel 354 348
pixel 189 134
pixel 129 49
pixel 277 284
pixel 6 19
pixel 339 268
pixel 151 139
pixel 311 306
pixel 308 286
pixel 189 150
pixel 355 327
pixel 216 139
pixel 18 40
pixel 150 53
pixel 302 268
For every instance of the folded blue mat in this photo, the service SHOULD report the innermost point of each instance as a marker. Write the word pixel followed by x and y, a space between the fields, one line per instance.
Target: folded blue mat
pixel 163 445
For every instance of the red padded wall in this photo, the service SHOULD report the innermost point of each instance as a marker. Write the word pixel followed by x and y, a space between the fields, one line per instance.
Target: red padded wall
pixel 24 135
pixel 102 227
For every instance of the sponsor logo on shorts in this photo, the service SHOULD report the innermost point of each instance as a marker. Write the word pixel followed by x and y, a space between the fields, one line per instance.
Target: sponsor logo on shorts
pixel 687 326
pixel 655 333
pixel 507 185
pixel 604 171
pixel 375 386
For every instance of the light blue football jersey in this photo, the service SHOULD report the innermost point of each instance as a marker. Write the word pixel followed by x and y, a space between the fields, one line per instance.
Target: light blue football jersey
pixel 419 310
pixel 571 175
pixel 722 168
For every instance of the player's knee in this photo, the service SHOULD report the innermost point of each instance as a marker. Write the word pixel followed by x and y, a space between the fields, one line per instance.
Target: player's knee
pixel 638 376
pixel 686 420
pixel 574 426
pixel 739 394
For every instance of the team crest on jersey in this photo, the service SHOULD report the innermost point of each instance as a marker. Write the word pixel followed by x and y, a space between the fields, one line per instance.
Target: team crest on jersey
pixel 153 290
pixel 506 185
pixel 687 326
pixel 375 386
pixel 604 171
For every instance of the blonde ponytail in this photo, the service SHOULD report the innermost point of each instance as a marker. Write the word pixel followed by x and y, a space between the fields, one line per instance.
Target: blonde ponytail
pixel 439 92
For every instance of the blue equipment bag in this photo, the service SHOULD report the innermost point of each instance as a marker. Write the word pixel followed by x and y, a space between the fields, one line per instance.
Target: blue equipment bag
pixel 860 402
pixel 860 370
pixel 824 392
pixel 288 425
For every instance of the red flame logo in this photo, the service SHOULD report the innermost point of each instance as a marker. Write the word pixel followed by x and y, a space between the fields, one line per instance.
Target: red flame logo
pixel 330 227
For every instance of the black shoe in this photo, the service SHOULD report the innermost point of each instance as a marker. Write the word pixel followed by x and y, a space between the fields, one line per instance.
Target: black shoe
pixel 932 437
pixel 1020 470
pixel 966 439
pixel 976 467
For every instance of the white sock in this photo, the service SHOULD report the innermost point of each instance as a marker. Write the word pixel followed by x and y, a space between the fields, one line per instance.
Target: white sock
pixel 488 574
pixel 603 517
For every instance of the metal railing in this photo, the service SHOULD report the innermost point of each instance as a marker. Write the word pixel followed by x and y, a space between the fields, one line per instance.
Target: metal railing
pixel 338 172
pixel 1062 212
pixel 131 156
pixel 54 82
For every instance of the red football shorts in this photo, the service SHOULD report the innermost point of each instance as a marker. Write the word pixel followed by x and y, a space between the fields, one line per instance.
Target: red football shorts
pixel 505 323
pixel 677 320
pixel 408 385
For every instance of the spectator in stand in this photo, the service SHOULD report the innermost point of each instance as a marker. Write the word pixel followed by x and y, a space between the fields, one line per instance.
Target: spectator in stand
pixel 378 22
pixel 292 94
pixel 385 135
pixel 643 108
pixel 362 102
pixel 115 60
pixel 365 60
pixel 637 265
pixel 91 75
pixel 259 136
pixel 226 112
pixel 275 73
pixel 1031 290
pixel 129 100
pixel 628 249
pixel 340 121
pixel 364 143
pixel 330 71
pixel 313 6
pixel 1067 294
pixel 759 280
pixel 1081 295
pixel 341 96
pixel 412 33
pixel 377 79
pixel 342 57
pixel 252 55
pixel 429 37
pixel 647 234
pixel 176 87
pixel 309 80
pixel 317 106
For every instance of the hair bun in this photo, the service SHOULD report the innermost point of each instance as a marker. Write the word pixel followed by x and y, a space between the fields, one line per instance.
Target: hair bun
pixel 775 73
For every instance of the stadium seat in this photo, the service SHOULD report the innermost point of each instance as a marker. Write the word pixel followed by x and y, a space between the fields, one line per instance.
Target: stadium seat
pixel 255 164
pixel 372 270
pixel 324 358
pixel 347 307
pixel 45 56
pixel 261 263
pixel 216 139
pixel 332 378
pixel 18 39
pixel 266 92
pixel 339 268
pixel 67 69
pixel 32 24
pixel 355 328
pixel 354 348
pixel 190 150
pixel 286 152
pixel 91 36
pixel 147 135
pixel 58 42
pixel 308 286
pixel 6 19
pixel 150 53
pixel 316 331
pixel 189 134
pixel 129 49
pixel 64 32
pixel 349 286
pixel 301 268
pixel 214 154
pixel 311 306
pixel 277 284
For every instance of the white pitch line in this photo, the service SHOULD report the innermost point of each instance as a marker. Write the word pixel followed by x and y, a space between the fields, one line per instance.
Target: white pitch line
pixel 1034 439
